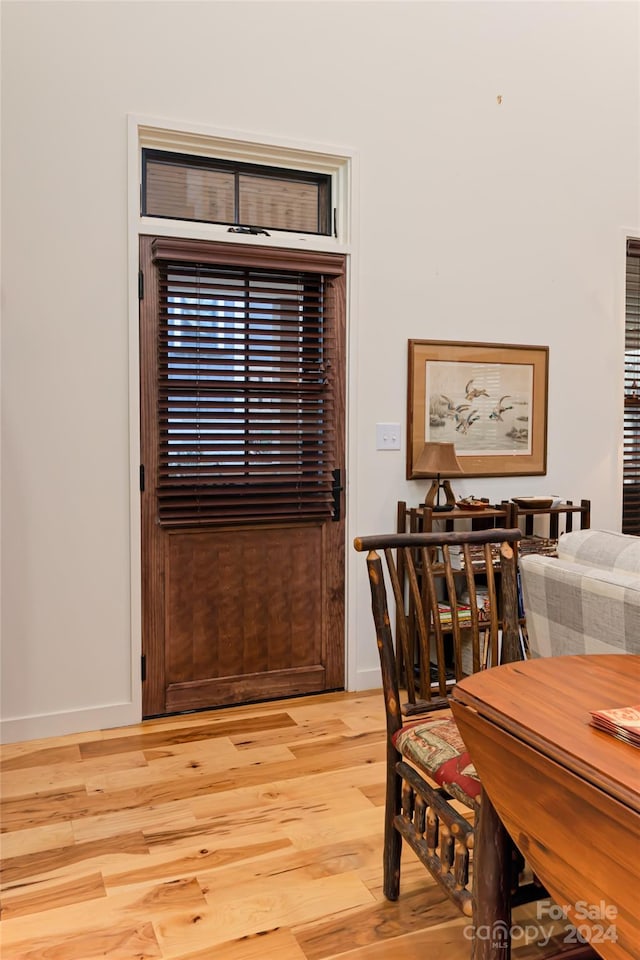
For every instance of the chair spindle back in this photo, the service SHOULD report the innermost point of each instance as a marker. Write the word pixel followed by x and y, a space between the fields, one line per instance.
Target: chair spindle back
pixel 456 610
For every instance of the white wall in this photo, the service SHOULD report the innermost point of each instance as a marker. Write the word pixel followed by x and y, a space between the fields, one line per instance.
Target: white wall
pixel 478 221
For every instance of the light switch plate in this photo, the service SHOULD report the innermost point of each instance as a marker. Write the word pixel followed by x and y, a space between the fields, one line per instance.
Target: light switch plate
pixel 387 436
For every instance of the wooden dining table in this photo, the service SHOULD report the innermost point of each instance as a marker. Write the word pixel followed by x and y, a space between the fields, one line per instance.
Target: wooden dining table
pixel 567 793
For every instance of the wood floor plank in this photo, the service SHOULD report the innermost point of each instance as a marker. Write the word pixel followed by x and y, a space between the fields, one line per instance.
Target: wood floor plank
pixel 307 731
pixel 201 860
pixel 292 866
pixel 124 942
pixel 327 758
pixel 133 817
pixel 206 731
pixel 363 739
pixel 197 784
pixel 351 825
pixel 44 807
pixel 381 921
pixel 375 793
pixel 279 944
pixel 36 839
pixel 336 705
pixel 195 760
pixel 321 787
pixel 179 899
pixel 290 813
pixel 445 941
pixel 48 895
pixel 44 757
pixel 246 833
pixel 44 862
pixel 259 908
pixel 63 775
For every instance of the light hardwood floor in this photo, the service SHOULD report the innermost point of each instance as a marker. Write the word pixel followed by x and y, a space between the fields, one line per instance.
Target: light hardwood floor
pixel 240 834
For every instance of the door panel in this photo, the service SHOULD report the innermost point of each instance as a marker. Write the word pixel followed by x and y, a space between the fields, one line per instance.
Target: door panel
pixel 239 611
pixel 241 615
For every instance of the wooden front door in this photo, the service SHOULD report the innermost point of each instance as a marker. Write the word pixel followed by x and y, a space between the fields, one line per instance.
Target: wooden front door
pixel 242 400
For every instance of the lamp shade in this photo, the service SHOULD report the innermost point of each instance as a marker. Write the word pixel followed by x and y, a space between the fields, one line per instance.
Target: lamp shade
pixel 438 459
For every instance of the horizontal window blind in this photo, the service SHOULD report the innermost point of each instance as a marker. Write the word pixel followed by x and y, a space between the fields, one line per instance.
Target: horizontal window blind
pixel 631 470
pixel 186 193
pixel 210 190
pixel 245 393
pixel 280 204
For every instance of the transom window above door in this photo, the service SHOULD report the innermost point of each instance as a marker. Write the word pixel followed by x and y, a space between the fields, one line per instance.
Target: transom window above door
pixel 250 198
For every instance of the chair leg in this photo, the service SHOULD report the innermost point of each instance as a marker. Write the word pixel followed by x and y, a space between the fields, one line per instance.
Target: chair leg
pixel 392 839
pixel 491 886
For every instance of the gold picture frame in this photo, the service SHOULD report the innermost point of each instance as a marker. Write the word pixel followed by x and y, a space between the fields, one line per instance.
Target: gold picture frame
pixel 489 399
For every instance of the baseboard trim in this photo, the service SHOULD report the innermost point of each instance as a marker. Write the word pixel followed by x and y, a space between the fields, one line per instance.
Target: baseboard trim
pixel 367 680
pixel 16 729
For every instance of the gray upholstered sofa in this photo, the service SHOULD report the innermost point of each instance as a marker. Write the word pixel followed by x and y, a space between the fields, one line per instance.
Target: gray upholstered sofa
pixel 587 600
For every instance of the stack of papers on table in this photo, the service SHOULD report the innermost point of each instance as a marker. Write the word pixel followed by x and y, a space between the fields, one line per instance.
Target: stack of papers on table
pixel 621 722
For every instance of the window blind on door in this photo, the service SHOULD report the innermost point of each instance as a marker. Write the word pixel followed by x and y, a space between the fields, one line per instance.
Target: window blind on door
pixel 245 392
pixel 631 468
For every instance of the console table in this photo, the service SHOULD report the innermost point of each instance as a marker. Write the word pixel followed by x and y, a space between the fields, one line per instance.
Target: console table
pixel 568 794
pixel 559 519
pixel 508 514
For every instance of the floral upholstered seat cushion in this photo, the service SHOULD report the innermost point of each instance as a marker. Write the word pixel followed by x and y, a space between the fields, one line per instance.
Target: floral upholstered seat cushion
pixel 436 747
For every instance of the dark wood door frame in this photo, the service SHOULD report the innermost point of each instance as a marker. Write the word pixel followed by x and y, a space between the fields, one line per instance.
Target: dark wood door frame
pixel 164 688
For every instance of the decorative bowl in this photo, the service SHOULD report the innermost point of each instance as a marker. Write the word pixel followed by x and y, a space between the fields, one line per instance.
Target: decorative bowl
pixel 472 504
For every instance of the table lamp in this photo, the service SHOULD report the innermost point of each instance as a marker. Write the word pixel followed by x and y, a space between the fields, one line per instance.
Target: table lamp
pixel 438 460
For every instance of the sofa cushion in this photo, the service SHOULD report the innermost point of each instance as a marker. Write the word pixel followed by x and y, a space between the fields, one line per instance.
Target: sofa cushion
pixel 572 608
pixel 601 548
pixel 436 748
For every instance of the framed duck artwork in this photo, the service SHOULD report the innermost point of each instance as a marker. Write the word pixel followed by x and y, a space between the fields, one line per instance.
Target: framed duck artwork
pixel 489 399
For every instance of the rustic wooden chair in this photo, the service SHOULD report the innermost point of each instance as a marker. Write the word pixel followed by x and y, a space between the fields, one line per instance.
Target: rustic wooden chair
pixel 456 613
